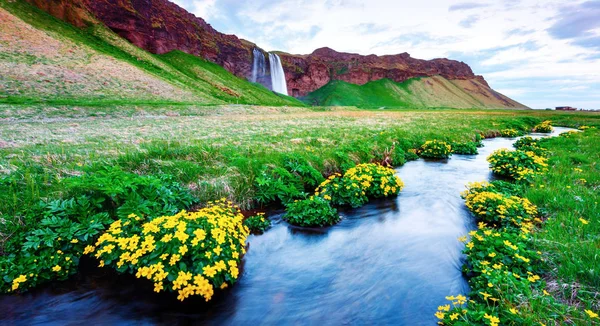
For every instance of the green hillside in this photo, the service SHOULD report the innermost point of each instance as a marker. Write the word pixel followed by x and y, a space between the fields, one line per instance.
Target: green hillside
pixel 44 59
pixel 427 92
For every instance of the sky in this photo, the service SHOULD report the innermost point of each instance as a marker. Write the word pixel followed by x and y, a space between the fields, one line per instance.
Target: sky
pixel 540 53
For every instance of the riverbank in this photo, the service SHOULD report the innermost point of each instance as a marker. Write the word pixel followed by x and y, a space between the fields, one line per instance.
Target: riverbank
pixel 529 264
pixel 569 197
pixel 253 156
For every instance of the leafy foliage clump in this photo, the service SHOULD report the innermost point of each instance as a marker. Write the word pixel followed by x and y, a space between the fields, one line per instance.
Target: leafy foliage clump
pixel 465 148
pixel 60 230
pixel 312 212
pixel 258 223
pixel 529 144
pixel 509 133
pixel 360 183
pixel 518 165
pixel 544 127
pixel 436 149
pixel 287 183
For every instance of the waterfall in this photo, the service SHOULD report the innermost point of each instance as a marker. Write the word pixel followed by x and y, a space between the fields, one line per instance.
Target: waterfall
pixel 277 75
pixel 259 65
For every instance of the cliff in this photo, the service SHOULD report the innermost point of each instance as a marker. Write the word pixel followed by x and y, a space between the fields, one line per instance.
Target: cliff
pixel 160 26
pixel 311 72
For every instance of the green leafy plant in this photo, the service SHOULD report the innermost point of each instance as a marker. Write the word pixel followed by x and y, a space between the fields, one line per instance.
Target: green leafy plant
pixel 529 144
pixel 479 140
pixel 544 127
pixel 435 149
pixel 465 148
pixel 278 184
pixel 258 223
pixel 360 183
pixel 312 212
pixel 518 165
pixel 52 249
pixel 122 193
pixel 509 133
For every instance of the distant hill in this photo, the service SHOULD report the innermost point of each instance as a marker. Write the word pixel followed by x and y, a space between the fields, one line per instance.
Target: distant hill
pixel 425 92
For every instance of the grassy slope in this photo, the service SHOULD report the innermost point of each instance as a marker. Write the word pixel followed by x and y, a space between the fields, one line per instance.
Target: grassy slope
pixel 198 81
pixel 426 92
pixel 571 247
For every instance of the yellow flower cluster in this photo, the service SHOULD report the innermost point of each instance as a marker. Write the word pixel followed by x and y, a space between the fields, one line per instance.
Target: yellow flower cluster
pixel 435 149
pixel 501 209
pixel 509 133
pixel 498 256
pixel 360 183
pixel 201 249
pixel 368 174
pixel 545 127
pixel 517 164
pixel 17 281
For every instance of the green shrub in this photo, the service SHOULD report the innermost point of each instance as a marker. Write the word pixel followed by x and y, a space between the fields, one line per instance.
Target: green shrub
pixel 544 127
pixel 309 176
pixel 192 253
pixel 411 155
pixel 526 141
pixel 398 156
pixel 288 183
pixel 313 212
pixel 436 149
pixel 479 140
pixel 465 148
pixel 518 165
pixel 360 183
pixel 278 184
pixel 122 193
pixel 52 250
pixel 61 229
pixel 529 144
pixel 509 133
pixel 258 223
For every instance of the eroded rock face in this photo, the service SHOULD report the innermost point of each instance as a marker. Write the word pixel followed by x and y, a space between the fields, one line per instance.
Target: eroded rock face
pixel 308 73
pixel 160 26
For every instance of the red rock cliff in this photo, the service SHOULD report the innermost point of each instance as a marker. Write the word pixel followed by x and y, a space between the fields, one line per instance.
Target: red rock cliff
pixel 160 26
pixel 307 73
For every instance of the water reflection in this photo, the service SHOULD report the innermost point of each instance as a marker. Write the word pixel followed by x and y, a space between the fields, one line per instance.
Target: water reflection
pixel 389 262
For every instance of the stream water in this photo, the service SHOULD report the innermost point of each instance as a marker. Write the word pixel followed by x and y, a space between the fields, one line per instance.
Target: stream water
pixel 390 262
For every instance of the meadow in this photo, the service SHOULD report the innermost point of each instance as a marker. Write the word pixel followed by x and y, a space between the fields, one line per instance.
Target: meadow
pixel 266 157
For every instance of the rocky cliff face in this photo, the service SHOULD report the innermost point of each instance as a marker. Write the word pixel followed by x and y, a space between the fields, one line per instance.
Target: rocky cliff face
pixel 308 73
pixel 160 26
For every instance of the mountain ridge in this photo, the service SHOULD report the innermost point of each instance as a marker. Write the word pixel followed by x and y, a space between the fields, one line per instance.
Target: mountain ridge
pixel 160 26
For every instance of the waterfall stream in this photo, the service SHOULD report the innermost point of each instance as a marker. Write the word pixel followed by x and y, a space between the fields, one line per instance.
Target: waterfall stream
pixel 259 65
pixel 277 75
